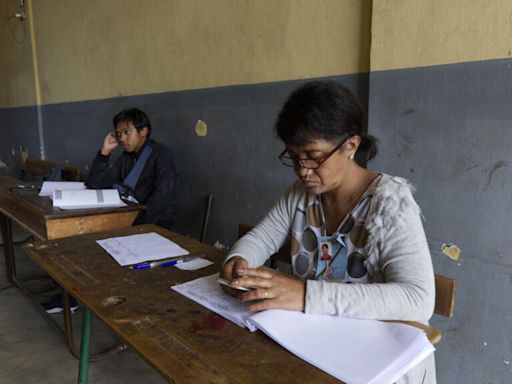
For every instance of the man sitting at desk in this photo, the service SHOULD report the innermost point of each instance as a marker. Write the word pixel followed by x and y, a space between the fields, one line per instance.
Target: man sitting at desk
pixel 144 173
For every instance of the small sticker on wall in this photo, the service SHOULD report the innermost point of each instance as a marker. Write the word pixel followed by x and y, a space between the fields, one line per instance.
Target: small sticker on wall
pixel 201 128
pixel 451 250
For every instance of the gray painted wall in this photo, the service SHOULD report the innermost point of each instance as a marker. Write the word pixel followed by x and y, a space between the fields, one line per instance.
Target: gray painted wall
pixel 18 128
pixel 236 161
pixel 448 130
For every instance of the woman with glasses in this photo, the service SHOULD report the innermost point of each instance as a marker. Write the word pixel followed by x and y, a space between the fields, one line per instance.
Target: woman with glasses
pixel 380 265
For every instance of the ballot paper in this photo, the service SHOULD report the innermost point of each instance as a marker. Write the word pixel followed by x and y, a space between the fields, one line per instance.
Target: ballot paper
pixel 135 249
pixel 352 350
pixel 87 198
pixel 49 186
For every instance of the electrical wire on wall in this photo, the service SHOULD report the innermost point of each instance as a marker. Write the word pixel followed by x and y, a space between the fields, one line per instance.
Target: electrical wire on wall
pixel 37 80
pixel 16 24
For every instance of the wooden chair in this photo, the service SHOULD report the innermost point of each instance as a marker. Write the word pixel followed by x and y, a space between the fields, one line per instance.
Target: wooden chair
pixel 206 217
pixel 445 289
pixel 41 168
pixel 445 296
pixel 283 255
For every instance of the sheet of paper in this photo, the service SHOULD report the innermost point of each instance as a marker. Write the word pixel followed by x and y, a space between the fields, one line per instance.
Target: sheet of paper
pixel 49 186
pixel 135 249
pixel 207 292
pixel 194 264
pixel 87 198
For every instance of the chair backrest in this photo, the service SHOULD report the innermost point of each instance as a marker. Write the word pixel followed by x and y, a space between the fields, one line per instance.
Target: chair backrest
pixel 41 168
pixel 243 229
pixel 283 255
pixel 445 295
pixel 206 217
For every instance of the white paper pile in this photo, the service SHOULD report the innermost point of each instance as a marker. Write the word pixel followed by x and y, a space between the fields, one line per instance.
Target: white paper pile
pixel 87 198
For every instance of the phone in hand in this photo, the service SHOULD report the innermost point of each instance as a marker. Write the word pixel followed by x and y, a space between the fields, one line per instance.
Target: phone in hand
pixel 228 283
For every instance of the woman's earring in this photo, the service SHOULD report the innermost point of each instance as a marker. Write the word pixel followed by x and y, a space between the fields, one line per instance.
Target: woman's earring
pixel 351 157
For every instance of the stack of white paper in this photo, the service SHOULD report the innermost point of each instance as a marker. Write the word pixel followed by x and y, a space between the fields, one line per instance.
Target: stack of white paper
pixel 354 351
pixel 49 187
pixel 135 249
pixel 87 198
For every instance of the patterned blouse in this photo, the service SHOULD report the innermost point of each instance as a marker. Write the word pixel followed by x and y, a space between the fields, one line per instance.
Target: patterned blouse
pixel 338 257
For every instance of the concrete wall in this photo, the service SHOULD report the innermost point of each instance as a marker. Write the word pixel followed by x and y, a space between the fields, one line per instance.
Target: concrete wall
pixel 17 87
pixel 16 73
pixel 230 63
pixel 108 48
pixel 440 97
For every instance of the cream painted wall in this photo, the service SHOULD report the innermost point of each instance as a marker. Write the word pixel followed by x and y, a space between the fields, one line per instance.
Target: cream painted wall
pixel 106 48
pixel 415 33
pixel 16 73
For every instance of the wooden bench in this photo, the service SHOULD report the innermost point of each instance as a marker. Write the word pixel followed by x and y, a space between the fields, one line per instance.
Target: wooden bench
pixel 41 168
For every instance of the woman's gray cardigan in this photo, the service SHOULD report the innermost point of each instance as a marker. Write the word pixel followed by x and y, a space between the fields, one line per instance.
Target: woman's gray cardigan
pixel 398 259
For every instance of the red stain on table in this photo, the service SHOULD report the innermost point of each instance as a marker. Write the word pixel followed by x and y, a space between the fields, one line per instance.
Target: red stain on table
pixel 212 322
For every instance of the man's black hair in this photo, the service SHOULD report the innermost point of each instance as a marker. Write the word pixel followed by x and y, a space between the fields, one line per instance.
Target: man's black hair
pixel 135 116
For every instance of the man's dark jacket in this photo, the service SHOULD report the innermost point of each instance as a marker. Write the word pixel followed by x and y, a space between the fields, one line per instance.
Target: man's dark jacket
pixel 157 186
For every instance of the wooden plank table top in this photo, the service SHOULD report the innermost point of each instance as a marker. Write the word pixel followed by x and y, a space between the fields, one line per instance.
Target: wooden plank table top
pixel 183 341
pixel 37 214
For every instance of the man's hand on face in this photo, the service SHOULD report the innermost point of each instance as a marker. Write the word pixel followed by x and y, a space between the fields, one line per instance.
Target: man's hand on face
pixel 109 144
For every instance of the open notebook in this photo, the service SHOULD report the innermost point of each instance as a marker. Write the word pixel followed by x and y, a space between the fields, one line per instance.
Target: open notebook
pixel 354 351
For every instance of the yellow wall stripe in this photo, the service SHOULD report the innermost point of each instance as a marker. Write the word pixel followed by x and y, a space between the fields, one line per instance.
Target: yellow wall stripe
pixel 417 33
pixel 98 49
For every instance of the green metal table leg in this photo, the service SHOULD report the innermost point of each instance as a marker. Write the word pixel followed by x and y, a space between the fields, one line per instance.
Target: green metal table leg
pixel 85 352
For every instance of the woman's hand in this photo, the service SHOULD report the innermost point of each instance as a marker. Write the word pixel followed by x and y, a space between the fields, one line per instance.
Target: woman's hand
pixel 229 272
pixel 273 289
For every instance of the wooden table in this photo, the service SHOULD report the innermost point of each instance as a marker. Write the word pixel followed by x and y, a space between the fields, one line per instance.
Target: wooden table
pixel 183 341
pixel 38 216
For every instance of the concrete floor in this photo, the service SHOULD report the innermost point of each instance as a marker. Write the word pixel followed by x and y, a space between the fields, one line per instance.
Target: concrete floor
pixel 32 352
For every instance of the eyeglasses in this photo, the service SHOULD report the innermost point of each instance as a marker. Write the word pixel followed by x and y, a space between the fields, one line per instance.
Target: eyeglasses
pixel 292 161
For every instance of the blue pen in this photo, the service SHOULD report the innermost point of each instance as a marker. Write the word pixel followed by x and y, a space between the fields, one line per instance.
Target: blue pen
pixel 155 264
pixel 162 263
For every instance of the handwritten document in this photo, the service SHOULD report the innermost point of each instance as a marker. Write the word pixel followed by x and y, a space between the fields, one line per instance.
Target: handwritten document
pixel 207 292
pixel 135 249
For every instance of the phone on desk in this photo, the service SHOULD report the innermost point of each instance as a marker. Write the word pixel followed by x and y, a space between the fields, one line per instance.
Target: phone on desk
pixel 228 283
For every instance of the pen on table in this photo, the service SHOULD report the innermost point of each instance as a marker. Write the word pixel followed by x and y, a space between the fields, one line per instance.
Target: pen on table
pixel 27 188
pixel 164 263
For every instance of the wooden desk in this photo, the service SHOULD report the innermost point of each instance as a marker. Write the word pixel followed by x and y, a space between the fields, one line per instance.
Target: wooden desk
pixel 38 216
pixel 183 341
